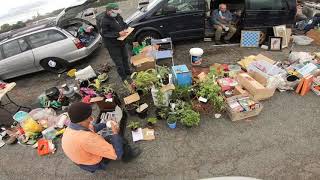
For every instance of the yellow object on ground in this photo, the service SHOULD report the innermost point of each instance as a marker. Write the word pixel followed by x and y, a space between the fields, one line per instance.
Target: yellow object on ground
pixel 30 125
pixel 72 73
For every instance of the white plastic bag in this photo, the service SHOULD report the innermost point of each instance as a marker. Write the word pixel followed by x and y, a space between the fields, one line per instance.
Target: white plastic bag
pixel 301 57
pixel 85 74
pixel 302 40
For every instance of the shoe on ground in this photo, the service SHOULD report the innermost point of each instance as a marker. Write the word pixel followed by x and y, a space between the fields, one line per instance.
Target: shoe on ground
pixel 134 153
pixel 227 41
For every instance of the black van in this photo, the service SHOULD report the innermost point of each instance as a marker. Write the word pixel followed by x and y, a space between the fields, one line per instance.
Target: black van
pixel 188 19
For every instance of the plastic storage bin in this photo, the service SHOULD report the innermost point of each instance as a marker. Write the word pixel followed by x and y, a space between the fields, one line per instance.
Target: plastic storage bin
pixel 181 75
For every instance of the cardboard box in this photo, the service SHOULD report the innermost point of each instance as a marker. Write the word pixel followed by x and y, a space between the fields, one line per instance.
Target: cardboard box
pixel 142 62
pixel 236 116
pixel 255 84
pixel 131 99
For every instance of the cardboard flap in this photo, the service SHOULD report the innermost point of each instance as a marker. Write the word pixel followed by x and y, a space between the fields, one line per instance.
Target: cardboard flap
pixel 259 77
pixel 129 31
pixel 96 99
pixel 148 134
pixel 131 99
pixel 140 59
pixel 167 87
pixel 264 58
pixel 202 76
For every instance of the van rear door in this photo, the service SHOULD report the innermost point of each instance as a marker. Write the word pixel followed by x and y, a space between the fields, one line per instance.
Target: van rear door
pixel 267 13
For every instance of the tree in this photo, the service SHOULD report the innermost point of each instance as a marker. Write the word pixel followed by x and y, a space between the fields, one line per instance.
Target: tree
pixel 5 28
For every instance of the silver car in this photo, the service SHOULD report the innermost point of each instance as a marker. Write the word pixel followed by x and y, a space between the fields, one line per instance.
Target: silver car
pixel 51 46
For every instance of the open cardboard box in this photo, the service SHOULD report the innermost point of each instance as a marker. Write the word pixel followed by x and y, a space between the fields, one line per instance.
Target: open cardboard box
pixel 255 84
pixel 142 62
pixel 236 116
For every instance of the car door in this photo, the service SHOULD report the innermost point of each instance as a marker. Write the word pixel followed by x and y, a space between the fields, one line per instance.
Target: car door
pixel 18 59
pixel 181 19
pixel 266 13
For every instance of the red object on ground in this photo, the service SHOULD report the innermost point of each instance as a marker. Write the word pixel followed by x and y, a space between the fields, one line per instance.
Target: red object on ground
pixel 43 147
pixel 86 99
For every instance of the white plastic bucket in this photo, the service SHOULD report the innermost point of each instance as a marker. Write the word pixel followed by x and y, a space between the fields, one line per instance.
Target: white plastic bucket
pixel 196 55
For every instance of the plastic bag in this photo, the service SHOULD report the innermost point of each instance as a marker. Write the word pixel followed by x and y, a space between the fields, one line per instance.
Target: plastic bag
pixel 301 57
pixel 302 40
pixel 30 125
pixel 42 114
pixel 85 74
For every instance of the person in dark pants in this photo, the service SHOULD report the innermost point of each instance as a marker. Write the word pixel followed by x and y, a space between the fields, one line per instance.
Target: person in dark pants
pixel 112 26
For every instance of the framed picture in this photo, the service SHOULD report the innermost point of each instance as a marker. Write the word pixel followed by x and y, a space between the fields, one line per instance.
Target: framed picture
pixel 250 38
pixel 281 31
pixel 275 43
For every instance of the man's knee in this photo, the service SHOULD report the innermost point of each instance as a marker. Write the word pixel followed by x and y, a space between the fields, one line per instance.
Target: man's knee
pixel 218 28
pixel 233 29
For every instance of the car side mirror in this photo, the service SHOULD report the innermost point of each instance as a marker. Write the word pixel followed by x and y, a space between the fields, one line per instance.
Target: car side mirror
pixel 169 10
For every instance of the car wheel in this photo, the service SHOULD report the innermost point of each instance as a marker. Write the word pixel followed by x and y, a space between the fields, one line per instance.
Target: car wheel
pixel 55 65
pixel 147 36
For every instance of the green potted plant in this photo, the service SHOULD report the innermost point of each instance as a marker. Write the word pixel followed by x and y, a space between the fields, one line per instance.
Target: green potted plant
pixel 172 120
pixel 144 80
pixel 162 113
pixel 134 125
pixel 151 122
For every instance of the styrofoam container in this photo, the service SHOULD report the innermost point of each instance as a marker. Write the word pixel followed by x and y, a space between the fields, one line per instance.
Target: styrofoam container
pixel 302 40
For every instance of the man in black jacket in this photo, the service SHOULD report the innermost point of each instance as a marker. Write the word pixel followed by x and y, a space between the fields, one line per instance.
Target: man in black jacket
pixel 112 26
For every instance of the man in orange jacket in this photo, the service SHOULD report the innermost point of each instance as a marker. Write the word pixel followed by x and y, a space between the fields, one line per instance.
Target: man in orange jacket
pixel 89 150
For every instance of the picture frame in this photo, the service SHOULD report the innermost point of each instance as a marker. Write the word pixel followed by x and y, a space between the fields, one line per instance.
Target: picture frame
pixel 250 38
pixel 281 31
pixel 275 43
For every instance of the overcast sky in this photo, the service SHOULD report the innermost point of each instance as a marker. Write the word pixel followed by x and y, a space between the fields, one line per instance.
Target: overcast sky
pixel 12 11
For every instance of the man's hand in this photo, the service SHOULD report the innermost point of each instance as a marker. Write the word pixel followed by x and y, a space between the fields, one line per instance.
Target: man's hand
pixel 123 33
pixel 114 127
pixel 222 17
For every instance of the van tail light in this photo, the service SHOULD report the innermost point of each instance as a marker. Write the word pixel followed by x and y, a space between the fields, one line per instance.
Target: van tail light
pixel 78 43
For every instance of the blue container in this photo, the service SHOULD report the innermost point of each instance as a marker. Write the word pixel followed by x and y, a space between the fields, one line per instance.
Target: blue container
pixel 172 126
pixel 181 75
pixel 21 116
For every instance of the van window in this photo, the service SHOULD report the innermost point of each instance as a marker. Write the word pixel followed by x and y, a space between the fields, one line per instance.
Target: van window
pixel 267 5
pixel 181 6
pixel 11 48
pixel 1 55
pixel 45 37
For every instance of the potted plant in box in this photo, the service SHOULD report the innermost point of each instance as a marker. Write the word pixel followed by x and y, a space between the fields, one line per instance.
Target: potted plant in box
pixel 151 122
pixel 189 117
pixel 134 125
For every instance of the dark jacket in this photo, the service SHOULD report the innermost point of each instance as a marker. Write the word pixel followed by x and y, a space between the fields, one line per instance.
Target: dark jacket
pixel 217 20
pixel 110 28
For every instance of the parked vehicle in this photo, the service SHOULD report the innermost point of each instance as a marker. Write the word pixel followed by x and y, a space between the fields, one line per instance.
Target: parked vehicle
pixel 52 46
pixel 188 19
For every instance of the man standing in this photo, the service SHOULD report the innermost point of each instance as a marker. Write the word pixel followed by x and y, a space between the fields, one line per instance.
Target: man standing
pixel 221 19
pixel 112 26
pixel 86 148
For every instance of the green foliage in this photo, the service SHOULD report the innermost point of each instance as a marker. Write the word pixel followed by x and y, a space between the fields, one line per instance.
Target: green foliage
pixel 145 79
pixel 152 120
pixel 164 112
pixel 211 90
pixel 160 98
pixel 172 118
pixel 134 125
pixel 162 71
pixel 181 92
pixel 190 118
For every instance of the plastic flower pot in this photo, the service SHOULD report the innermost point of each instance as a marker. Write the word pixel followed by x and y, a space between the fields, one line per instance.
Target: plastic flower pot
pixel 172 125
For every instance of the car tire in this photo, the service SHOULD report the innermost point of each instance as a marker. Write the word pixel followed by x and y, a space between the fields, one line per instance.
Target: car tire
pixel 55 65
pixel 147 35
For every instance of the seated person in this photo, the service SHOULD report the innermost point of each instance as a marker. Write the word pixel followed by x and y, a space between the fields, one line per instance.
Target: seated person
pixel 86 148
pixel 221 20
pixel 303 12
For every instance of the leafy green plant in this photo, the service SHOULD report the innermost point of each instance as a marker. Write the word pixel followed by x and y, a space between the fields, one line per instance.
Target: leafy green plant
pixel 181 92
pixel 160 98
pixel 163 113
pixel 162 71
pixel 144 80
pixel 189 117
pixel 134 125
pixel 152 120
pixel 210 89
pixel 172 118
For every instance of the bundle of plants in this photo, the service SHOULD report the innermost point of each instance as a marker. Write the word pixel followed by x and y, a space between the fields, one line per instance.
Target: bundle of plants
pixel 144 80
pixel 186 115
pixel 163 74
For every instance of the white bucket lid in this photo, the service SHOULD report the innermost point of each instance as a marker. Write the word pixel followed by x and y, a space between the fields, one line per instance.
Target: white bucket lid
pixel 196 52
